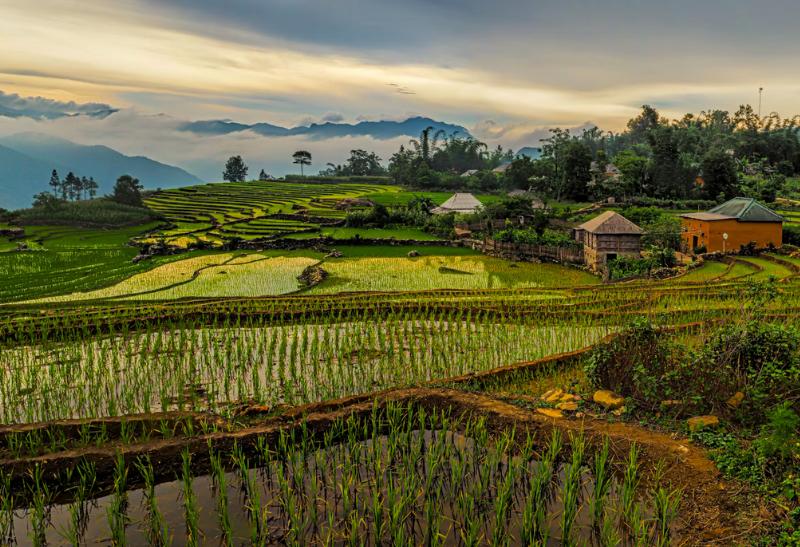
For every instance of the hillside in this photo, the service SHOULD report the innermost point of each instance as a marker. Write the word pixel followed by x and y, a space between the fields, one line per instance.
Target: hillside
pixel 28 159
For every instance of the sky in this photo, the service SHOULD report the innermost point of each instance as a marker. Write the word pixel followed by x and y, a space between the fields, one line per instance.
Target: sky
pixel 506 69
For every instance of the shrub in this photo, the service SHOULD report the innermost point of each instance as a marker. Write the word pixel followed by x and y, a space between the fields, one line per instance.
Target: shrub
pixel 779 441
pixel 632 364
pixel 791 235
pixel 96 212
pixel 760 360
pixel 532 236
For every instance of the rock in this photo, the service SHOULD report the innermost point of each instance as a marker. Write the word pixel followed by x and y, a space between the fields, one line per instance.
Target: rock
pixel 553 395
pixel 550 412
pixel 334 254
pixel 570 406
pixel 619 412
pixel 412 254
pixel 736 399
pixel 702 422
pixel 312 275
pixel 579 414
pixel 608 399
pixel 671 402
pixel 569 397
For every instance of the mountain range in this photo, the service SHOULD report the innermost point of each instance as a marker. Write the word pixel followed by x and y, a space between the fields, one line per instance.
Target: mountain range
pixel 412 127
pixel 27 160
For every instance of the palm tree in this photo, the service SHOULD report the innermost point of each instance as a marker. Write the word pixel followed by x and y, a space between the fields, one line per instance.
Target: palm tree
pixel 426 145
pixel 302 157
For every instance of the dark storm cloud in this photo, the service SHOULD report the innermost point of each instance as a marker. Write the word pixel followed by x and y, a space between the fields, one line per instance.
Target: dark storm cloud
pixel 423 24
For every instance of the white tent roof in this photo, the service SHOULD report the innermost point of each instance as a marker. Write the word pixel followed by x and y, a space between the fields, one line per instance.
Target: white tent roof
pixel 459 203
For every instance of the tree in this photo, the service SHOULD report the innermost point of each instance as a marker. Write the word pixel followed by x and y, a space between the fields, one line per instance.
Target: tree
pixel 719 175
pixel 519 173
pixel 55 183
pixel 128 191
pixel 302 158
pixel 69 186
pixel 235 170
pixel 47 201
pixel 576 171
pixel 92 187
pixel 634 170
pixel 362 163
pixel 263 176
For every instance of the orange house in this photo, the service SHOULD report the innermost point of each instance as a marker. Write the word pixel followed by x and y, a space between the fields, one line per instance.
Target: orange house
pixel 728 226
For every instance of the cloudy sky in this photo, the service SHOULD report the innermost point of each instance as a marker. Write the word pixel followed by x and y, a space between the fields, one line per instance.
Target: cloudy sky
pixel 504 69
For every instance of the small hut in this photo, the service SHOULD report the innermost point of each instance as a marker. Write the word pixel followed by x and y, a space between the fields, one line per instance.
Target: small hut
pixel 608 236
pixel 459 203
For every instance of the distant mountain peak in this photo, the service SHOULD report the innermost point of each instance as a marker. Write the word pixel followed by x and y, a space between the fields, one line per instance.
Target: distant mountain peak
pixel 28 159
pixel 379 129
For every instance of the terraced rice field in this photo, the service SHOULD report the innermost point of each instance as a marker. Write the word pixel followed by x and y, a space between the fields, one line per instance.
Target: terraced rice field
pixel 214 213
pixel 390 403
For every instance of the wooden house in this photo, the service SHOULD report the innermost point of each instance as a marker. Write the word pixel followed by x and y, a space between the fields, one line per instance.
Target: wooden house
pixel 608 236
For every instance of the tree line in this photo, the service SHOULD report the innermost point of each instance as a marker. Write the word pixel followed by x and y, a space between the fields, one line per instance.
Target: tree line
pixel 360 163
pixel 127 190
pixel 709 156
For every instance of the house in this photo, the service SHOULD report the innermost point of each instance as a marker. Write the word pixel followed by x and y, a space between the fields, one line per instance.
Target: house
pixel 727 227
pixel 500 169
pixel 458 203
pixel 469 173
pixel 608 236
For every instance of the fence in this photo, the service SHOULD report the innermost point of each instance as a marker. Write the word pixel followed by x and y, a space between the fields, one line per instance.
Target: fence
pixel 524 251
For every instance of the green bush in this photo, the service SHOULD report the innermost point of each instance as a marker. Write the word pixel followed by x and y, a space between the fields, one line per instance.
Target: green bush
pixel 758 359
pixel 90 213
pixel 791 235
pixel 531 236
pixel 779 441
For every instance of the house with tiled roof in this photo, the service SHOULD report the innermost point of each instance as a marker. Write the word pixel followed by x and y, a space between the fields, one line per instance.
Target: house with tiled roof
pixel 727 227
pixel 607 237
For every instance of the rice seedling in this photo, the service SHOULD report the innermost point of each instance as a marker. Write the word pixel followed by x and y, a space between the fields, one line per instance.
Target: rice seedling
pixel 602 483
pixel 190 508
pixel 399 474
pixel 157 532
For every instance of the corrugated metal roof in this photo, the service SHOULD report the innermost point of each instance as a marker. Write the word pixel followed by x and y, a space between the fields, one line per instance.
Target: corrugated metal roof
pixel 610 222
pixel 707 216
pixel 746 210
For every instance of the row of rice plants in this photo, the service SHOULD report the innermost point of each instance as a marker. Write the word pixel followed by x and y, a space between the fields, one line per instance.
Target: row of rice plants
pixel 190 367
pixel 403 476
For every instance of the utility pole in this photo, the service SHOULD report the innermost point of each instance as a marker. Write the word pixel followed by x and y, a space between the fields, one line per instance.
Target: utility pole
pixel 760 91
